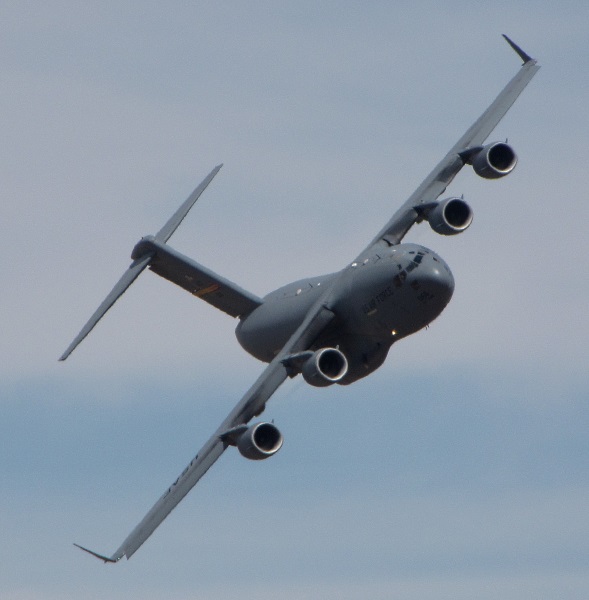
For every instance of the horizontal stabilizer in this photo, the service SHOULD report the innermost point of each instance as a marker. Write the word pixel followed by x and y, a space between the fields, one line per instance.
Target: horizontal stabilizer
pixel 163 235
pixel 124 282
pixel 140 262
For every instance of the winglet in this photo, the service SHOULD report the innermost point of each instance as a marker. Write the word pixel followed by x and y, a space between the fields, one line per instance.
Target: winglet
pixel 105 559
pixel 525 57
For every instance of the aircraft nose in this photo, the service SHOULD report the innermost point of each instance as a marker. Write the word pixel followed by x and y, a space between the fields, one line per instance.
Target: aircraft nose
pixel 435 280
pixel 432 283
pixel 423 287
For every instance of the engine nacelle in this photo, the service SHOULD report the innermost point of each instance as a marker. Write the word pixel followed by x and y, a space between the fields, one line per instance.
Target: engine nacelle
pixel 325 367
pixel 450 216
pixel 494 160
pixel 260 441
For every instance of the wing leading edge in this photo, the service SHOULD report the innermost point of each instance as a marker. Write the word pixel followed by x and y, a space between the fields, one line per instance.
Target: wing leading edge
pixel 251 405
pixel 445 171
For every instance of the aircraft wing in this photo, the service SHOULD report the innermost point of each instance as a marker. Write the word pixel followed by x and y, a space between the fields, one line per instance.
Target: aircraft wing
pixel 445 171
pixel 251 405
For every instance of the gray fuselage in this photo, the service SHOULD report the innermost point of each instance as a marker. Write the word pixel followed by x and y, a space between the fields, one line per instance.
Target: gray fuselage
pixel 391 293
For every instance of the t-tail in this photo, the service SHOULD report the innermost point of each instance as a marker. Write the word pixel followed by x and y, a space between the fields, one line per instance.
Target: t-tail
pixel 140 263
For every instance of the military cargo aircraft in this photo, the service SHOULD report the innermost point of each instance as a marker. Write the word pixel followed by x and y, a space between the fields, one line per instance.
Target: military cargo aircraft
pixel 331 329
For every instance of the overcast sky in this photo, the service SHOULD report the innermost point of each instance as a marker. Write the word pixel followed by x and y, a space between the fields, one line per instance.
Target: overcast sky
pixel 460 469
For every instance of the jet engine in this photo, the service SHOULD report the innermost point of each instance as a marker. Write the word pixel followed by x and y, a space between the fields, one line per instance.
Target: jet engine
pixel 450 216
pixel 260 441
pixel 494 160
pixel 325 367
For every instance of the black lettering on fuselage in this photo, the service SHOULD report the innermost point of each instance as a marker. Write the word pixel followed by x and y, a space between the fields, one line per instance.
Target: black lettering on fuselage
pixel 375 301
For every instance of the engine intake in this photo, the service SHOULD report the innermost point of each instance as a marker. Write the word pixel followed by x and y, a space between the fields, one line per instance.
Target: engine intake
pixel 494 160
pixel 325 367
pixel 450 216
pixel 260 441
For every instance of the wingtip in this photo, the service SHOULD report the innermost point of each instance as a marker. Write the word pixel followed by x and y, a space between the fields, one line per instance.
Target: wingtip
pixel 523 55
pixel 104 559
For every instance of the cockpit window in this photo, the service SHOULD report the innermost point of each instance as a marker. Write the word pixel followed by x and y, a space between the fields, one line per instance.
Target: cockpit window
pixel 415 262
